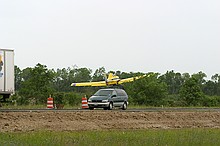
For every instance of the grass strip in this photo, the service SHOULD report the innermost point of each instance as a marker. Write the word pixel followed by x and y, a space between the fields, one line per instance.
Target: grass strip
pixel 175 137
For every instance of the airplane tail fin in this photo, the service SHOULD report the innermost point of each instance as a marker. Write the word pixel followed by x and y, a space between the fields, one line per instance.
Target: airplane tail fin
pixel 110 76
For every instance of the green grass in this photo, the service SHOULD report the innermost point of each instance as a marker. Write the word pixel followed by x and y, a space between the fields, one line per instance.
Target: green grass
pixel 177 137
pixel 39 106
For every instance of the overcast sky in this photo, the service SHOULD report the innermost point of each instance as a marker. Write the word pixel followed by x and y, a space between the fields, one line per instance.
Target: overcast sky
pixel 125 35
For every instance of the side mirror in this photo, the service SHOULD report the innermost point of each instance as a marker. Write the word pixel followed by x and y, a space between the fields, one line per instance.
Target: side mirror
pixel 113 96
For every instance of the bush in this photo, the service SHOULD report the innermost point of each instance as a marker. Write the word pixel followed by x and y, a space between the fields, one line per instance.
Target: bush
pixel 173 101
pixel 70 98
pixel 58 98
pixel 73 99
pixel 22 100
pixel 211 101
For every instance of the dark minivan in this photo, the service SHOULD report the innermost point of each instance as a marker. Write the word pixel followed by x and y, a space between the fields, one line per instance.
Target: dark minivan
pixel 109 98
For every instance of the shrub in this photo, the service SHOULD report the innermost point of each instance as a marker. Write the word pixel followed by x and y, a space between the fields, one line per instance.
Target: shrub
pixel 210 101
pixel 72 99
pixel 59 98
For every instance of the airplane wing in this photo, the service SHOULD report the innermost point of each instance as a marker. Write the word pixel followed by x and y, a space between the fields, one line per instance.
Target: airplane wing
pixel 130 79
pixel 101 83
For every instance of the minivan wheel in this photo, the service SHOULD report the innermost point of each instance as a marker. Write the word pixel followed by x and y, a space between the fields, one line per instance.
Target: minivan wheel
pixel 124 107
pixel 91 108
pixel 110 107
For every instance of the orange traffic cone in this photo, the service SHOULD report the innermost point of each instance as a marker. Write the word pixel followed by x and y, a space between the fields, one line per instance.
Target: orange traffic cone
pixel 50 103
pixel 84 103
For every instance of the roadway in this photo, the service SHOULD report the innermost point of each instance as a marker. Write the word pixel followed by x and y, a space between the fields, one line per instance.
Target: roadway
pixel 182 109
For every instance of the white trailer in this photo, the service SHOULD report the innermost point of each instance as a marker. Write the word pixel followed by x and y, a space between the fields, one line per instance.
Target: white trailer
pixel 6 73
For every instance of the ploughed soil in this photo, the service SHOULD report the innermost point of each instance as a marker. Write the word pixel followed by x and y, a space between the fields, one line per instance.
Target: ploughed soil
pixel 105 120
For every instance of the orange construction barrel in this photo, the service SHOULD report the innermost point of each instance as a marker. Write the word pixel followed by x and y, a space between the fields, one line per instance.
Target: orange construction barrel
pixel 50 103
pixel 84 103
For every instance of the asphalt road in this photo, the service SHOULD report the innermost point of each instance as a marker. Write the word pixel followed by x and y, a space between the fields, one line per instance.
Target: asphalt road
pixel 128 110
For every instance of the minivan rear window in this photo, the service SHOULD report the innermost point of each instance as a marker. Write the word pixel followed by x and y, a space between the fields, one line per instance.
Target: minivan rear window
pixel 103 93
pixel 121 93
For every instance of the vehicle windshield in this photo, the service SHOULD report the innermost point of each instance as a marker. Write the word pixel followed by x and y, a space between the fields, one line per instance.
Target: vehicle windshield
pixel 103 93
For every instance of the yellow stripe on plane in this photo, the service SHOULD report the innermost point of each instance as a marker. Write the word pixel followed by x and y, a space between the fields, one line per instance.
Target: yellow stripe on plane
pixel 101 83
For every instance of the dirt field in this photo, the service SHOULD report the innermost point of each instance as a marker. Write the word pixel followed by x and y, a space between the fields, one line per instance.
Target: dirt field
pixel 105 120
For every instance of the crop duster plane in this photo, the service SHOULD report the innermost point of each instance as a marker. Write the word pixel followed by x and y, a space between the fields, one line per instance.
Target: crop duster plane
pixel 110 81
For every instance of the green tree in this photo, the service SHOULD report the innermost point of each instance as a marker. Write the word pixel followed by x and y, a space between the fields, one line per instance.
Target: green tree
pixel 83 75
pixel 200 78
pixel 216 80
pixel 173 80
pixel 38 84
pixel 210 88
pixel 185 76
pixel 99 74
pixel 18 77
pixel 191 92
pixel 26 74
pixel 25 91
pixel 147 91
pixel 63 80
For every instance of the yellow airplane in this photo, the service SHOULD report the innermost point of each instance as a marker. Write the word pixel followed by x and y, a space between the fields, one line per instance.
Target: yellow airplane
pixel 111 80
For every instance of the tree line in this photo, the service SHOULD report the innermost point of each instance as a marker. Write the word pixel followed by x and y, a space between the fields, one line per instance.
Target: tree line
pixel 34 85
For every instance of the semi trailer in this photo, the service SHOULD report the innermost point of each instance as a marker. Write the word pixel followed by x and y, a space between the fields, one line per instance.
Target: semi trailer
pixel 6 73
